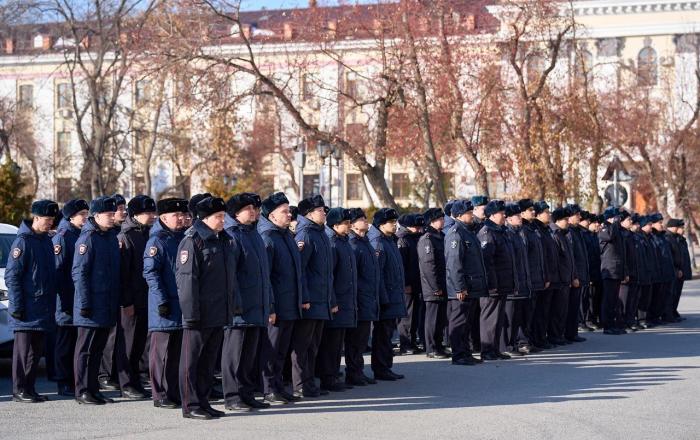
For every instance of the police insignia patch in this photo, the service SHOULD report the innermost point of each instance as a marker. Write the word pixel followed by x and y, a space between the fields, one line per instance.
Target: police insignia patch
pixel 56 249
pixel 427 249
pixel 121 245
pixel 454 244
pixel 82 249
pixel 152 251
pixel 483 244
pixel 16 252
pixel 184 255
pixel 300 245
pixel 377 252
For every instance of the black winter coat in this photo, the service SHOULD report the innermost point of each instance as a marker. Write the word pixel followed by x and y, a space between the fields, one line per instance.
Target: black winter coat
pixel 612 252
pixel 464 262
pixel 537 267
pixel 519 241
pixel 368 278
pixel 132 243
pixel 431 260
pixel 498 253
pixel 565 257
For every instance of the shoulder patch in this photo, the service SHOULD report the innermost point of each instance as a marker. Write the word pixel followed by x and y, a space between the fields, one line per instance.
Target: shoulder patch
pixel 484 244
pixel 82 249
pixel 16 252
pixel 152 251
pixel 300 245
pixel 121 244
pixel 377 252
pixel 427 248
pixel 184 256
pixel 454 244
pixel 57 249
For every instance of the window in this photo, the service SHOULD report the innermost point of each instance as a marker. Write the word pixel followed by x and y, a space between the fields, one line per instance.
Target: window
pixel 582 65
pixel 26 97
pixel 64 98
pixel 353 186
pixel 647 67
pixel 535 68
pixel 352 85
pixel 63 141
pixel 307 87
pixel 400 185
pixel 143 91
pixel 312 185
pixel 63 189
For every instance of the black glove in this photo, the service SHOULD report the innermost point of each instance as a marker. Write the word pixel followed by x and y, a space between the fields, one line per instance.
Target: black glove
pixel 163 310
pixel 18 315
pixel 86 313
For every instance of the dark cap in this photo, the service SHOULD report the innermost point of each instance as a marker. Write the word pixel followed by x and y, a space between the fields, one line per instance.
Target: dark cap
pixel 356 214
pixel 103 204
pixel 512 209
pixel 171 204
pixel 74 206
pixel 479 201
pixel 310 203
pixel 209 206
pixel 433 214
pixel 384 215
pixel 240 201
pixel 494 206
pixel 273 202
pixel 461 206
pixel 192 205
pixel 45 208
pixel 337 215
pixel 140 204
pixel 540 207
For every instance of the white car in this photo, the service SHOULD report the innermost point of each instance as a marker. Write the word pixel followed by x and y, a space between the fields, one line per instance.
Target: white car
pixel 8 233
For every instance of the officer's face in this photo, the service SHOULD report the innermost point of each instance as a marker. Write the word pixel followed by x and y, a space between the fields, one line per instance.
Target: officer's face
pixel 173 220
pixel 575 219
pixel 647 228
pixel 146 218
pixel 360 226
pixel 105 220
pixel 479 211
pixel 318 215
pixel 659 226
pixel 515 220
pixel 186 220
pixel 528 214
pixel 467 217
pixel 247 215
pixel 342 228
pixel 79 219
pixel 438 224
pixel 585 223
pixel 680 230
pixel 388 228
pixel 563 223
pixel 593 227
pixel 281 217
pixel 414 229
pixel 499 218
pixel 626 223
pixel 544 216
pixel 634 228
pixel 42 224
pixel 215 222
pixel 120 215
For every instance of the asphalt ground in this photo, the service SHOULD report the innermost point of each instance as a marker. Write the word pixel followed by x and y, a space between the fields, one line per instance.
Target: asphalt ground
pixel 644 385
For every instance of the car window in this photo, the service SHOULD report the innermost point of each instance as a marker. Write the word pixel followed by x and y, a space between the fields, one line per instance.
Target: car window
pixel 5 243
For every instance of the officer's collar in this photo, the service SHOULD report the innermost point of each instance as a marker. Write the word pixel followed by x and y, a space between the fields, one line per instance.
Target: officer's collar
pixel 205 231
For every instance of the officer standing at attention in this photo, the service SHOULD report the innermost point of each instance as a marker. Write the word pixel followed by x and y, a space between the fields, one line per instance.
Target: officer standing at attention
pixel 317 281
pixel 30 277
pixel 256 308
pixel 517 310
pixel 75 214
pixel 613 268
pixel 205 285
pixel 164 314
pixel 566 278
pixel 345 288
pixel 681 263
pixel 410 326
pixel 431 260
pixel 581 281
pixel 466 281
pixel 502 278
pixel 368 279
pixel 285 279
pixel 537 266
pixel 109 378
pixel 96 304
pixel 132 329
pixel 391 291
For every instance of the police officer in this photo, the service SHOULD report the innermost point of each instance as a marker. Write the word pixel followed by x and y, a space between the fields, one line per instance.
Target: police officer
pixel 256 305
pixel 566 278
pixel 205 285
pixel 30 276
pixel 629 291
pixel 543 300
pixel 75 214
pixel 652 267
pixel 591 310
pixel 479 203
pixel 537 267
pixel 681 264
pixel 345 288
pixel 391 291
pixel 449 220
pixel 515 340
pixel 164 314
pixel 502 278
pixel 132 327
pixel 317 281
pixel 667 274
pixel 192 204
pixel 96 303
pixel 285 279
pixel 368 279
pixel 433 276
pixel 466 281
pixel 109 377
pixel 581 281
pixel 408 235
pixel 613 268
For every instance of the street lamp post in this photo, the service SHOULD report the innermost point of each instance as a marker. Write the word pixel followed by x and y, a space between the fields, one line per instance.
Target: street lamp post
pixel 330 151
pixel 300 163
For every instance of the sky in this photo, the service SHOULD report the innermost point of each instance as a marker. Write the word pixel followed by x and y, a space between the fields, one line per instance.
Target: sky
pixel 254 5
